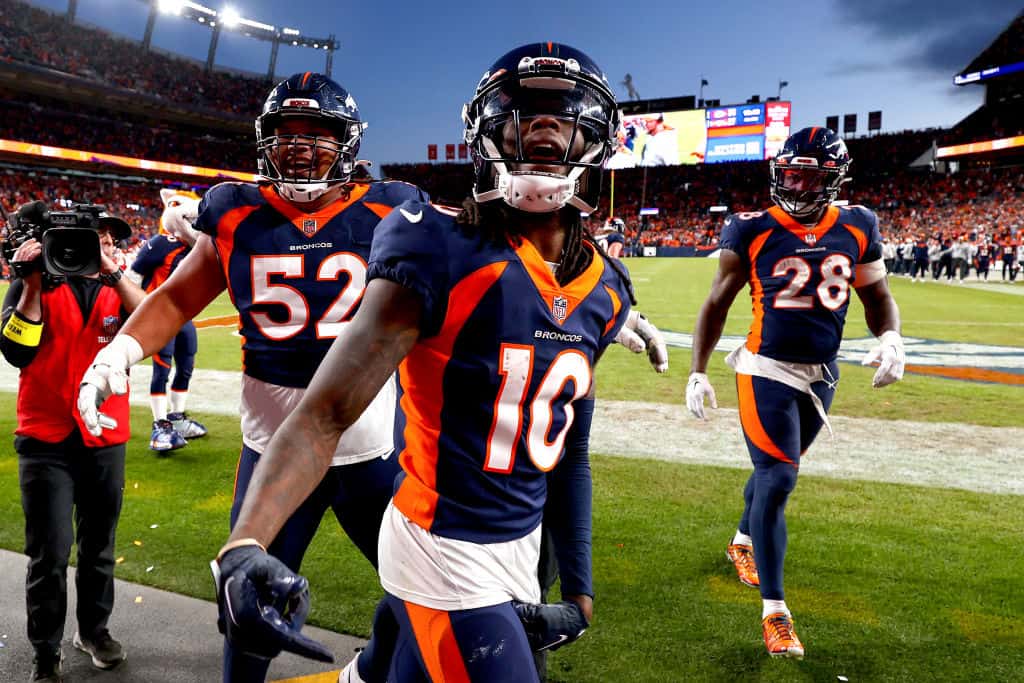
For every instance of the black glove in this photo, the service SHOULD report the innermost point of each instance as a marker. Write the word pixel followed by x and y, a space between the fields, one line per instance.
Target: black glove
pixel 262 605
pixel 549 627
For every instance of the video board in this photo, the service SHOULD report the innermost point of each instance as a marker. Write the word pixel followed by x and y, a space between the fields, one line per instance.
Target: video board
pixel 749 132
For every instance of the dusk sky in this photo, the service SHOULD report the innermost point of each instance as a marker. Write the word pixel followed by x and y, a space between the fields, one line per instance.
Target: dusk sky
pixel 412 64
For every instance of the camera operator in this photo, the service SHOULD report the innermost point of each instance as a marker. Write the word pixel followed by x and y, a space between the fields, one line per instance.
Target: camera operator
pixel 52 327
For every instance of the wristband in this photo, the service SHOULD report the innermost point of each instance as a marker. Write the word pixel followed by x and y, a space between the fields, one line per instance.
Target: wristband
pixel 891 337
pixel 111 279
pixel 24 332
pixel 239 543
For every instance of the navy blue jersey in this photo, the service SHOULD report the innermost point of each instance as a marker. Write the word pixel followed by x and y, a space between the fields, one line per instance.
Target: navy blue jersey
pixel 615 237
pixel 800 277
pixel 503 352
pixel 157 259
pixel 294 277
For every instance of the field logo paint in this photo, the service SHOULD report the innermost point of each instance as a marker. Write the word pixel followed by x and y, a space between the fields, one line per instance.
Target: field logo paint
pixel 953 360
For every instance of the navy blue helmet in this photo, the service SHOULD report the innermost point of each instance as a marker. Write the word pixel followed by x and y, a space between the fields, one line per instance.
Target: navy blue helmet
pixel 532 81
pixel 808 171
pixel 315 97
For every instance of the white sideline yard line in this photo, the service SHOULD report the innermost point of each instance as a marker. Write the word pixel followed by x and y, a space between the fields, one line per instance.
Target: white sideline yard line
pixel 941 455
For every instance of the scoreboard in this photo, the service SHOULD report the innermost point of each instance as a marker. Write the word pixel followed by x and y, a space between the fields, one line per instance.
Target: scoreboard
pixel 742 132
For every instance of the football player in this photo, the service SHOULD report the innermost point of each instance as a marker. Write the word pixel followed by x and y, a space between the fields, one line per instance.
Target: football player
pixel 494 319
pixel 155 262
pixel 802 259
pixel 611 238
pixel 292 251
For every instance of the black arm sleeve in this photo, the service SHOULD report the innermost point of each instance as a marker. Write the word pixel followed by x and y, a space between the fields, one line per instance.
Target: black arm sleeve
pixel 14 353
pixel 567 513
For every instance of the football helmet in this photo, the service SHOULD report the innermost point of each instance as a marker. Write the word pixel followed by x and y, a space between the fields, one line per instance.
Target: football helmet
pixel 533 81
pixel 311 96
pixel 808 171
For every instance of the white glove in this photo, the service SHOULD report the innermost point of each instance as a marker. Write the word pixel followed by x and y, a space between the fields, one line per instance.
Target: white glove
pixel 107 375
pixel 697 387
pixel 638 334
pixel 890 357
pixel 179 219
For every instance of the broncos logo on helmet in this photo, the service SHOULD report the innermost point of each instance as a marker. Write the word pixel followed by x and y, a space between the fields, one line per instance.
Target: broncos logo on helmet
pixel 808 171
pixel 541 80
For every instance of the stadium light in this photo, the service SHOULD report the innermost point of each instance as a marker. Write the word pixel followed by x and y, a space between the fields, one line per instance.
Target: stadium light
pixel 230 17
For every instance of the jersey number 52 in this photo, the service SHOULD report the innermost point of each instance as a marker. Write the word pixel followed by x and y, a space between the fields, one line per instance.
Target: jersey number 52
pixel 294 266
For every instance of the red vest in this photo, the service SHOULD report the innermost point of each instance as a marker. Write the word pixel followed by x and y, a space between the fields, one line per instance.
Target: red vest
pixel 48 388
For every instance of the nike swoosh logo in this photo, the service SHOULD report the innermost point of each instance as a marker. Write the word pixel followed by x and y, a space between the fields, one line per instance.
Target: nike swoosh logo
pixel 561 639
pixel 412 217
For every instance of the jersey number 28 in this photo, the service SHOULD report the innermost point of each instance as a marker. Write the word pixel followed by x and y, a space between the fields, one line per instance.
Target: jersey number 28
pixel 833 292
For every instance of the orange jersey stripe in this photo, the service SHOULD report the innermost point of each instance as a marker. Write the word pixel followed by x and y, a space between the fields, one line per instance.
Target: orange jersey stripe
pixel 225 240
pixel 422 375
pixel 800 230
pixel 862 239
pixel 751 421
pixel 616 307
pixel 437 644
pixel 756 293
pixel 380 209
pixel 544 280
pixel 321 218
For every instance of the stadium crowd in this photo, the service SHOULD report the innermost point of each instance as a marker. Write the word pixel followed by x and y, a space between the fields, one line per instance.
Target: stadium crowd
pixel 42 120
pixel 137 203
pixel 35 36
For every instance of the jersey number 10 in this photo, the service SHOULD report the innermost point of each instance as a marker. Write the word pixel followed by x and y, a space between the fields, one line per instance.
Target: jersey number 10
pixel 516 368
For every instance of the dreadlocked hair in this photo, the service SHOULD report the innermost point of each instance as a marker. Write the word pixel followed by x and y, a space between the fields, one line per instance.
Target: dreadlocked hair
pixel 491 222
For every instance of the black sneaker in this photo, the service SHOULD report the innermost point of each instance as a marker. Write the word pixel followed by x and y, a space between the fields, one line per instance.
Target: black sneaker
pixel 105 651
pixel 47 667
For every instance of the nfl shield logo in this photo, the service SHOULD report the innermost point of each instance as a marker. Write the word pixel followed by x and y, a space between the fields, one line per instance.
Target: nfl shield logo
pixel 559 307
pixel 309 227
pixel 810 238
pixel 110 324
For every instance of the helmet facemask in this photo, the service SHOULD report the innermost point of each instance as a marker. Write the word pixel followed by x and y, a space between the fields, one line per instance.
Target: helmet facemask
pixel 303 166
pixel 546 171
pixel 802 188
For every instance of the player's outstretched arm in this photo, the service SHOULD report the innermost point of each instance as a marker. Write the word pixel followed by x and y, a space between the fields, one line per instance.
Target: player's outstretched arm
pixel 197 281
pixel 360 361
pixel 159 316
pixel 883 319
pixel 729 280
pixel 262 603
pixel 639 334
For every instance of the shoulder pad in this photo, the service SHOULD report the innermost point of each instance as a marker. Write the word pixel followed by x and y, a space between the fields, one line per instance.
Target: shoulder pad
pixel 394 192
pixel 222 198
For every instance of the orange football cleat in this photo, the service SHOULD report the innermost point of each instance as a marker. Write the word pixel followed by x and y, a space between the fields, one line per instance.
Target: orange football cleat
pixel 780 638
pixel 742 557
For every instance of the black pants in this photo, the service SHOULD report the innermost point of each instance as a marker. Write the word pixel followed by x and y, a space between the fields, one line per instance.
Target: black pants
pixel 56 479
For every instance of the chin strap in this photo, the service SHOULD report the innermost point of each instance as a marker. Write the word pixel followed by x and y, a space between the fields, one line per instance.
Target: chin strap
pixel 306 192
pixel 536 191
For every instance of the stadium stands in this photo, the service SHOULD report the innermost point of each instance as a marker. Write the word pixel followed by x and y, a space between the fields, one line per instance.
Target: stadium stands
pixel 32 118
pixel 34 36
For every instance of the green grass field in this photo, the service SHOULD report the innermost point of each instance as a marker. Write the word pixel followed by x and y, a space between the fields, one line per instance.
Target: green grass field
pixel 887 582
